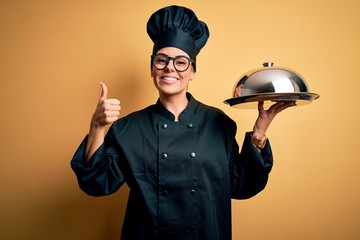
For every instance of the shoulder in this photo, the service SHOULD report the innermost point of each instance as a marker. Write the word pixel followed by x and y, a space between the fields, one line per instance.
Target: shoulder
pixel 139 116
pixel 215 119
pixel 213 112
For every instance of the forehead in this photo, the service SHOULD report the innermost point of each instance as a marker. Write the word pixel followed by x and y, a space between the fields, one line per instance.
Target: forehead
pixel 172 51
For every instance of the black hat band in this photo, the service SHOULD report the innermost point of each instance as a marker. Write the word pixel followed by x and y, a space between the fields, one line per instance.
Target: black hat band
pixel 176 38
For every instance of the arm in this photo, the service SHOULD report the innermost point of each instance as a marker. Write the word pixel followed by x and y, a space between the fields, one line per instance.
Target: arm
pixel 250 169
pixel 107 111
pixel 102 174
pixel 96 160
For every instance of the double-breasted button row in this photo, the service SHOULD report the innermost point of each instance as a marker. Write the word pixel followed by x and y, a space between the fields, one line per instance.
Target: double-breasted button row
pixel 165 192
pixel 164 155
pixel 164 125
pixel 163 228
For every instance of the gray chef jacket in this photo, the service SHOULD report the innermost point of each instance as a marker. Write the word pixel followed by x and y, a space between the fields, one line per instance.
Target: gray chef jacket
pixel 182 175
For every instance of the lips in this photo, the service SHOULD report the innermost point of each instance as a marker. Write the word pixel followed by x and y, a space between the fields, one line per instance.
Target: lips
pixel 169 79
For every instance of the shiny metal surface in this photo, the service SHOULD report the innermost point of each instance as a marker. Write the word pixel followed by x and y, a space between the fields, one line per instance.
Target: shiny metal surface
pixel 270 84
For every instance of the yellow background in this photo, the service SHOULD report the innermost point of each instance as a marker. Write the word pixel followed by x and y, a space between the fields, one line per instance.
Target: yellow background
pixel 53 54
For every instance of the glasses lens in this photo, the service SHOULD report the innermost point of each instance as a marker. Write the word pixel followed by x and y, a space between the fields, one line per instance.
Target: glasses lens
pixel 160 61
pixel 181 63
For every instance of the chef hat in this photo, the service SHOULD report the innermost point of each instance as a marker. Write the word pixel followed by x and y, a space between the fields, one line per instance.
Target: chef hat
pixel 176 26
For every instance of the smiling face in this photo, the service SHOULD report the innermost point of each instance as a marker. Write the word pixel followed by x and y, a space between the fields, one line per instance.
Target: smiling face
pixel 169 81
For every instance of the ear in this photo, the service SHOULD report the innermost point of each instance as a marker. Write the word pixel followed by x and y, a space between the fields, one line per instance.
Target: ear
pixel 192 75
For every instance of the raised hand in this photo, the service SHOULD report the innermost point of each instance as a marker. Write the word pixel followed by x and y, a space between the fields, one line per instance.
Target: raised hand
pixel 107 110
pixel 266 116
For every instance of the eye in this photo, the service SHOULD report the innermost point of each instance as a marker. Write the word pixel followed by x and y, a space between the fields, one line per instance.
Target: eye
pixel 161 60
pixel 181 61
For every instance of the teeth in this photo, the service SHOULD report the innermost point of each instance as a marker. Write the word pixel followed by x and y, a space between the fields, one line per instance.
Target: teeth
pixel 169 79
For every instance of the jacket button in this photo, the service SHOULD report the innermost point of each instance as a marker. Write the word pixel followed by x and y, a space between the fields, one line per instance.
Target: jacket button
pixel 163 228
pixel 193 191
pixel 190 125
pixel 164 125
pixel 192 154
pixel 164 193
pixel 164 156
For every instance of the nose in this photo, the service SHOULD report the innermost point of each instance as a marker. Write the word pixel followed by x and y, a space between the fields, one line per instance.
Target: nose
pixel 170 66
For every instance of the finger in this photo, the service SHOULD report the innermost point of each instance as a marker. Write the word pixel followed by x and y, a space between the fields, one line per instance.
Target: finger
pixel 112 101
pixel 116 112
pixel 114 107
pixel 275 106
pixel 280 106
pixel 104 92
pixel 287 105
pixel 261 105
pixel 108 107
pixel 111 105
pixel 111 113
pixel 111 119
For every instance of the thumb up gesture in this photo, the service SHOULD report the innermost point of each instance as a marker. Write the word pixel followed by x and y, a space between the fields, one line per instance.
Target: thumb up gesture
pixel 107 110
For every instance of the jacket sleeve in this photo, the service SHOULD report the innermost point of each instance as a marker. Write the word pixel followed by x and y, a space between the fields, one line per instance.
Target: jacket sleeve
pixel 249 169
pixel 102 174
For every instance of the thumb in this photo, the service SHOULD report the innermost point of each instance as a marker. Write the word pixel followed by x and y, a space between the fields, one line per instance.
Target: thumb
pixel 261 105
pixel 104 92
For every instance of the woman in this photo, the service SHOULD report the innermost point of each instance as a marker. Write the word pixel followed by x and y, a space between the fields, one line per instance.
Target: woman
pixel 179 157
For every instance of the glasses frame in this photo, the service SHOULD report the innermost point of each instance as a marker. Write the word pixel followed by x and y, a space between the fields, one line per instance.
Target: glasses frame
pixel 168 58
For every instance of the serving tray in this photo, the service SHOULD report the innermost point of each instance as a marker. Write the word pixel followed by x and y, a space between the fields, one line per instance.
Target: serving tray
pixel 251 101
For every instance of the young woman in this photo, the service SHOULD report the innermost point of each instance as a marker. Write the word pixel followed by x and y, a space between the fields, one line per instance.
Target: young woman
pixel 179 157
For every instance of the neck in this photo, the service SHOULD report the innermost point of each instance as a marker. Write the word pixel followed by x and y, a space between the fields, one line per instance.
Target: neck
pixel 175 104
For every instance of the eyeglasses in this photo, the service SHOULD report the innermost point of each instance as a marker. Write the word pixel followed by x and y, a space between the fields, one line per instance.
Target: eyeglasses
pixel 161 60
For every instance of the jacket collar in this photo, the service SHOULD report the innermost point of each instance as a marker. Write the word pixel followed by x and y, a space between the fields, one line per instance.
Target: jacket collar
pixel 185 115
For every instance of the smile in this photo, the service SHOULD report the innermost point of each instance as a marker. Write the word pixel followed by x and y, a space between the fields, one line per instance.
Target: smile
pixel 169 79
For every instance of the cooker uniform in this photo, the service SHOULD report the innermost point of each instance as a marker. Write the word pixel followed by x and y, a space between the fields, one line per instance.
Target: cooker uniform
pixel 182 175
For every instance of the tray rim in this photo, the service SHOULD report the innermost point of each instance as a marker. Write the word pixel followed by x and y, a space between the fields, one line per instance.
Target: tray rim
pixel 276 97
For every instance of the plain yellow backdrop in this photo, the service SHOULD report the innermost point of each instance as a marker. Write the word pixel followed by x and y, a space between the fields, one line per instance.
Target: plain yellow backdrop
pixel 53 54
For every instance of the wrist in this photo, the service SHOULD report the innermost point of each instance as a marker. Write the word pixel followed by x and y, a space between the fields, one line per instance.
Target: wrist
pixel 96 129
pixel 258 132
pixel 259 141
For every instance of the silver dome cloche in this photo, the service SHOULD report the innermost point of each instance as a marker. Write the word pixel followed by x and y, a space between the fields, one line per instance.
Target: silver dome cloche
pixel 270 84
